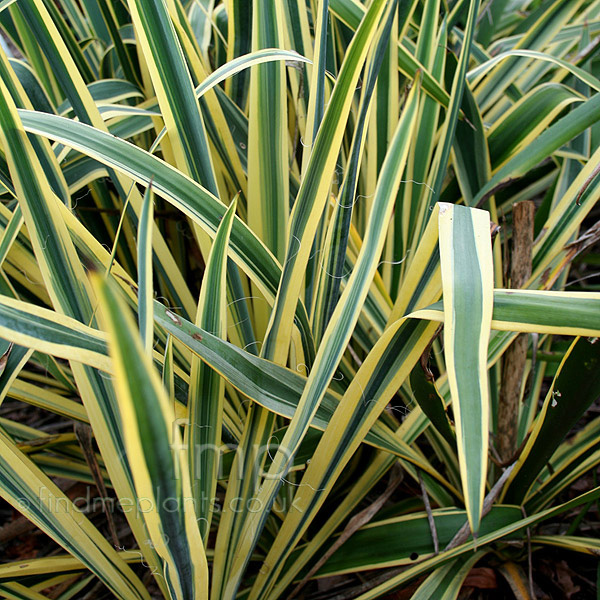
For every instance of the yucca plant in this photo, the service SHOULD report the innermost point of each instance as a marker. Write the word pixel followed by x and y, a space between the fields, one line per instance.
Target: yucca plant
pixel 288 281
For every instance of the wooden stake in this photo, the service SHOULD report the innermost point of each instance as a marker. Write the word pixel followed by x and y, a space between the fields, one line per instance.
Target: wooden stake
pixel 516 354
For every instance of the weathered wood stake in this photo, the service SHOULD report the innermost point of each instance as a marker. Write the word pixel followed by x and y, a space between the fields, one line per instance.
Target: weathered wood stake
pixel 516 355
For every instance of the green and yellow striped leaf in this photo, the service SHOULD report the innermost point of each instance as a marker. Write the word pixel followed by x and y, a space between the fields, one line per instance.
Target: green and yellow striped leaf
pixel 153 444
pixel 206 391
pixel 467 281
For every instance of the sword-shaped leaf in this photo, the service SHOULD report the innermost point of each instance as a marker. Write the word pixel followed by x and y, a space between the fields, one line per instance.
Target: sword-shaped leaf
pixel 144 264
pixel 533 311
pixel 467 280
pixel 153 445
pixel 205 404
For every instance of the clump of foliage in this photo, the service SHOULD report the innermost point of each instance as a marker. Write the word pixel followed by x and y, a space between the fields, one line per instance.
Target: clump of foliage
pixel 255 267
